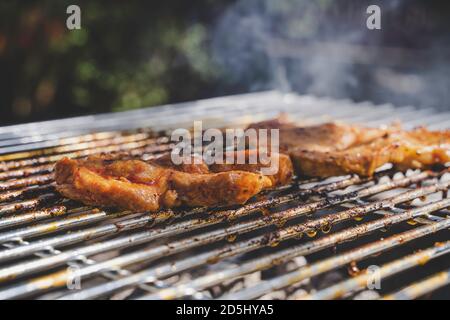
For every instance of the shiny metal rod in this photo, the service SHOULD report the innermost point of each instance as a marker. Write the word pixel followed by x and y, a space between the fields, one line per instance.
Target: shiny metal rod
pixel 417 259
pixel 420 288
pixel 357 254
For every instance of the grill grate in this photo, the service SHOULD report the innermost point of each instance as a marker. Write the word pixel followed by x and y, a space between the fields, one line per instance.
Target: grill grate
pixel 277 246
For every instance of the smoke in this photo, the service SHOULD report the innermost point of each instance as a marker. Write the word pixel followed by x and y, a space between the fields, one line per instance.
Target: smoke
pixel 324 48
pixel 240 46
pixel 269 44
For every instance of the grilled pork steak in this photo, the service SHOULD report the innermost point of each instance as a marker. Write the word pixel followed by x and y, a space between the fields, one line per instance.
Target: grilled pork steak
pixel 142 186
pixel 335 149
pixel 282 176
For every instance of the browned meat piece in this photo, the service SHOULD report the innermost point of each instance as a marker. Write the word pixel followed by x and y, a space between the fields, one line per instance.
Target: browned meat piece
pixel 284 173
pixel 334 149
pixel 326 137
pixel 185 166
pixel 94 182
pixel 137 185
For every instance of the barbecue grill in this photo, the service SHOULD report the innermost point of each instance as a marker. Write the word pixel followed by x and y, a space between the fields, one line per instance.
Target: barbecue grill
pixel 348 237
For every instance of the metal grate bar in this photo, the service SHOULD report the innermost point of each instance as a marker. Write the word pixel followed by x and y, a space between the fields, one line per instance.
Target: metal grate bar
pixel 416 259
pixel 355 255
pixel 418 289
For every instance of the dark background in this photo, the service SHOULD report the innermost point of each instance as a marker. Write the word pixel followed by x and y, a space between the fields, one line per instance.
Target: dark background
pixel 131 54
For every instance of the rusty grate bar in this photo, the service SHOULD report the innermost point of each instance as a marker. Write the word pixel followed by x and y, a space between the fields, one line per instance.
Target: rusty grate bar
pixel 134 148
pixel 416 259
pixel 355 255
pixel 420 288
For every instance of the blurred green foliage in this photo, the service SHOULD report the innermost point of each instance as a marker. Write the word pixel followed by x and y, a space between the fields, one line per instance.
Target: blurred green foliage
pixel 128 54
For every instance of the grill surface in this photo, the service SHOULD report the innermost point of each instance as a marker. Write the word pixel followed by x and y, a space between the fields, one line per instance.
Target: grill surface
pixel 310 240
